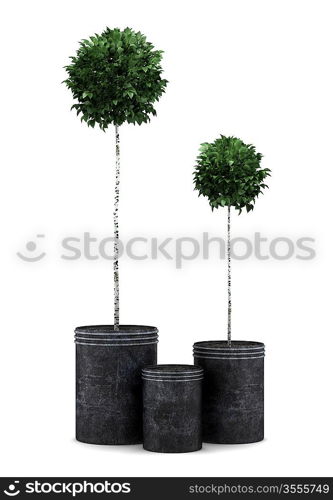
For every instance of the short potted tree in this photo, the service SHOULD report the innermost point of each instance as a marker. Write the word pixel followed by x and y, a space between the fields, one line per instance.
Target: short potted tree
pixel 229 174
pixel 115 78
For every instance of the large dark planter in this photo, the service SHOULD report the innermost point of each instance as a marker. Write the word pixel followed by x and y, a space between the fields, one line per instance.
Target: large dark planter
pixel 108 382
pixel 172 406
pixel 233 391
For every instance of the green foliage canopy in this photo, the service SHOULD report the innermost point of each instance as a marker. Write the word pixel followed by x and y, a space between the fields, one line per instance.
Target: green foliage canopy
pixel 228 172
pixel 115 78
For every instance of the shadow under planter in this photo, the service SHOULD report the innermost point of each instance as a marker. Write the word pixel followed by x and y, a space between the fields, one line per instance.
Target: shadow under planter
pixel 108 382
pixel 233 391
pixel 172 406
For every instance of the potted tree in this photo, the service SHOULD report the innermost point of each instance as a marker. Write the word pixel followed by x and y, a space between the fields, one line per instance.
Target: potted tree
pixel 115 78
pixel 229 174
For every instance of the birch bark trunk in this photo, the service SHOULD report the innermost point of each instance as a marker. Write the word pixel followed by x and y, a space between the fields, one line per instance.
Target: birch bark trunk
pixel 116 234
pixel 229 281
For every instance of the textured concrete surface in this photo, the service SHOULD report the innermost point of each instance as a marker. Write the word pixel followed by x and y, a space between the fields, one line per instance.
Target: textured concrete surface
pixel 109 388
pixel 172 407
pixel 233 392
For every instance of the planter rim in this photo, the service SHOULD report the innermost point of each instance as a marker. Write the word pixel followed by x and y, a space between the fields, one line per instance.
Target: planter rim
pixel 172 373
pixel 105 335
pixel 235 345
pixel 218 349
pixel 172 368
pixel 109 330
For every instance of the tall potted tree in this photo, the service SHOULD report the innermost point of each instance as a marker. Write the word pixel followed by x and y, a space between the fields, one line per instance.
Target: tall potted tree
pixel 115 78
pixel 229 174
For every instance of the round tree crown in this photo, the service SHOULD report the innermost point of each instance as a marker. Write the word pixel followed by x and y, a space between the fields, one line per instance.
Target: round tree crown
pixel 115 78
pixel 228 173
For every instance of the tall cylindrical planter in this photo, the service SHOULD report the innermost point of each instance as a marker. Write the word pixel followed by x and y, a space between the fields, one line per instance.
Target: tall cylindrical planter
pixel 233 391
pixel 108 382
pixel 172 406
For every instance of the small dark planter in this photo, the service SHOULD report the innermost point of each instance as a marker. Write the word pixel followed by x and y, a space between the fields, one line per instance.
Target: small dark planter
pixel 172 405
pixel 233 391
pixel 108 382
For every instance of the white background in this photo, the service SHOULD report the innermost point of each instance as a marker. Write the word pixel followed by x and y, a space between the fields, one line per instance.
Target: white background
pixel 255 69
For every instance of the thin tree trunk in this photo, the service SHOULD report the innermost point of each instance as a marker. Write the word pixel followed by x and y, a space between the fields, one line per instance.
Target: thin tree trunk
pixel 229 281
pixel 116 234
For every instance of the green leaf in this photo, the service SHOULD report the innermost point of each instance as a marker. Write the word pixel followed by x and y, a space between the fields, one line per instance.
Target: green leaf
pixel 228 172
pixel 116 77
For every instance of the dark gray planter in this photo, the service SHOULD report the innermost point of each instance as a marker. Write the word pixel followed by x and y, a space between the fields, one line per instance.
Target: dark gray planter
pixel 172 405
pixel 233 391
pixel 108 382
